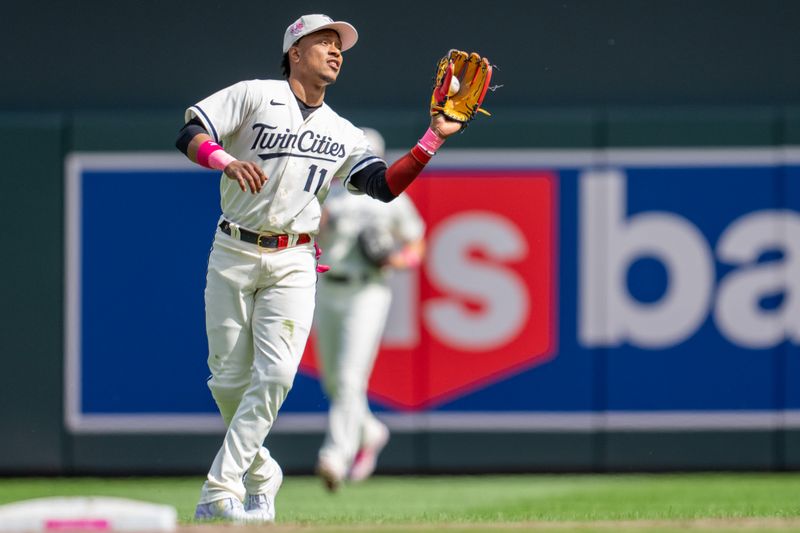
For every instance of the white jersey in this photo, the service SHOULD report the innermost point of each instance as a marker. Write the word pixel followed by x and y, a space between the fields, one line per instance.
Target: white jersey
pixel 348 214
pixel 260 121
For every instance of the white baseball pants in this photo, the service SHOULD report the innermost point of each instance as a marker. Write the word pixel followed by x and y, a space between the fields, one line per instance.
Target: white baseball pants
pixel 350 320
pixel 259 309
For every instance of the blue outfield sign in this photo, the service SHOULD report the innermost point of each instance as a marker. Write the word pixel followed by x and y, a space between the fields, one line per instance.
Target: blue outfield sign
pixel 674 297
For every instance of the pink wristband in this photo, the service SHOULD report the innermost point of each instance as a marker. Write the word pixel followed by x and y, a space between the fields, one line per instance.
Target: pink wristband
pixel 211 155
pixel 219 159
pixel 430 142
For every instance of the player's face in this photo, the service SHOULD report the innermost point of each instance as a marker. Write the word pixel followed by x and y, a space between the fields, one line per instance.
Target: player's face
pixel 321 55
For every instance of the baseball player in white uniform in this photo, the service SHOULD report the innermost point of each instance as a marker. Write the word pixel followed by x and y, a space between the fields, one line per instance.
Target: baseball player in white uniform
pixel 352 306
pixel 278 146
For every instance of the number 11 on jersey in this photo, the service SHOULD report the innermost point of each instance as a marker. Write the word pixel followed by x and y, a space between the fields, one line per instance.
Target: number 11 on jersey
pixel 312 170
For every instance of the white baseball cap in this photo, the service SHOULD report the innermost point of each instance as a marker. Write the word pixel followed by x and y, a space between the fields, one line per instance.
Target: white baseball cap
pixel 311 23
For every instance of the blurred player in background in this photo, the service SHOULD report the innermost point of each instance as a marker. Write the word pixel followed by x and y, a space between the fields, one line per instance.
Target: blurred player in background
pixel 364 241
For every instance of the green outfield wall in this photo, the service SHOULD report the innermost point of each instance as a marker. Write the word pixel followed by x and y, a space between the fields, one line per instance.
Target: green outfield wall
pixel 141 55
pixel 31 398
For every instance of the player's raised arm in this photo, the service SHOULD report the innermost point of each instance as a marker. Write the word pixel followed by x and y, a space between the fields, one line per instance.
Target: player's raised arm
pixel 195 142
pixel 462 80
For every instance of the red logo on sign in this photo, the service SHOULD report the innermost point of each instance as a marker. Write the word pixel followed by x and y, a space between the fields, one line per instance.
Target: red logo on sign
pixel 486 302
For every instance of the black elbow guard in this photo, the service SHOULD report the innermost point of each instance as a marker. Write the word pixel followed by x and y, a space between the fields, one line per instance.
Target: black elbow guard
pixel 372 181
pixel 378 188
pixel 187 133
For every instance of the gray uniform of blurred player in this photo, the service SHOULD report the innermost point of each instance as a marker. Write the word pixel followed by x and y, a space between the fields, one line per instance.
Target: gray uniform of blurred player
pixel 352 305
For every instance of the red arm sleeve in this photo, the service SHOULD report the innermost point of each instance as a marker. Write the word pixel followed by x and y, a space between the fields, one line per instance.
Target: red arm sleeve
pixel 403 171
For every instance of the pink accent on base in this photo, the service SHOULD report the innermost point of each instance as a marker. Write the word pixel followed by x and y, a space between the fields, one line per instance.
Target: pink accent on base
pixel 82 524
pixel 430 142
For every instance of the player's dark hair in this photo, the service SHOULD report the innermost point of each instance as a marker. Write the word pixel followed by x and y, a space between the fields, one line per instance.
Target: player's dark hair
pixel 285 66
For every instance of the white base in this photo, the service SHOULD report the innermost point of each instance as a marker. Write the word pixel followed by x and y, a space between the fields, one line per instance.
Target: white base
pixel 86 514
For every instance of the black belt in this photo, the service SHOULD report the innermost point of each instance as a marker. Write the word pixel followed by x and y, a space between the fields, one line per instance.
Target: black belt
pixel 343 278
pixel 264 240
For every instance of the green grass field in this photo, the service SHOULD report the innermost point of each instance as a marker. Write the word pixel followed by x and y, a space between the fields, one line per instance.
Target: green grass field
pixel 564 503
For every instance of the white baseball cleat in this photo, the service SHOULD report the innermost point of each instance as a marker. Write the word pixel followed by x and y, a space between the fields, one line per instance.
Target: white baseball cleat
pixel 367 457
pixel 229 509
pixel 330 474
pixel 261 507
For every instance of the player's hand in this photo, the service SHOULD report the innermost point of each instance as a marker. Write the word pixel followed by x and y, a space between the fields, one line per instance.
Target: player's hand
pixel 247 174
pixel 445 127
pixel 409 256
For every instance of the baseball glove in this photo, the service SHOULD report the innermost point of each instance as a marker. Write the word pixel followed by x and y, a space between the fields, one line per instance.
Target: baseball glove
pixel 471 73
pixel 376 245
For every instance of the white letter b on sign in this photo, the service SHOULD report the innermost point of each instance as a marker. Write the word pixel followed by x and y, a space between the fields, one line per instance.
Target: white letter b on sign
pixel 610 243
